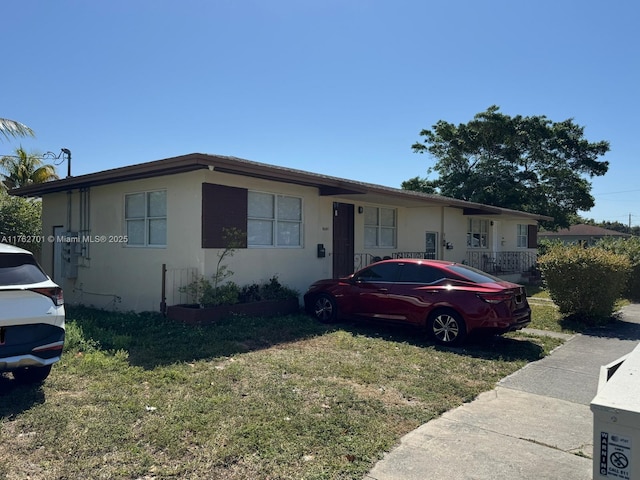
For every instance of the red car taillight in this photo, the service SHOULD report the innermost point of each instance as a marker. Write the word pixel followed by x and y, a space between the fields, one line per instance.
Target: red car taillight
pixel 54 293
pixel 495 297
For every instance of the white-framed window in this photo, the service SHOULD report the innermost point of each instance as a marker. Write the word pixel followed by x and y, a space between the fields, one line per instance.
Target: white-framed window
pixel 478 233
pixel 146 218
pixel 274 220
pixel 380 227
pixel 523 236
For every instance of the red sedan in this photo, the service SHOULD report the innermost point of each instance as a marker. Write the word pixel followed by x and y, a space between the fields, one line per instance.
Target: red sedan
pixel 450 299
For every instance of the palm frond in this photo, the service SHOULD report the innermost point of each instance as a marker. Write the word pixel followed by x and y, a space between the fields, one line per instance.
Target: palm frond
pixel 11 128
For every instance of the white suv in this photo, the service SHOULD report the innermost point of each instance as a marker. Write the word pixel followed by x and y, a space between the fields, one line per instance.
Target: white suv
pixel 31 317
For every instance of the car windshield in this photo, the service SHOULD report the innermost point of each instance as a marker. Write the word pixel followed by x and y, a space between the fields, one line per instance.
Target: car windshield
pixel 19 269
pixel 473 274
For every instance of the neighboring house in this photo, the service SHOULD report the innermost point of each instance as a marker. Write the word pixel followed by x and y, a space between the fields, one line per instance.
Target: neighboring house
pixel 581 234
pixel 110 235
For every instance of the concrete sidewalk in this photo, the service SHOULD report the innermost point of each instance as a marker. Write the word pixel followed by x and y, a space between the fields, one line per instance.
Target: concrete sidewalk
pixel 536 424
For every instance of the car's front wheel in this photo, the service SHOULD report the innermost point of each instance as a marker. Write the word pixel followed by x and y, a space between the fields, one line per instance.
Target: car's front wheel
pixel 446 327
pixel 31 374
pixel 325 308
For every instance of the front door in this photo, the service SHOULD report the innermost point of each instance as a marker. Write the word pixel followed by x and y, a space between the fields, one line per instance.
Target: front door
pixel 343 250
pixel 431 245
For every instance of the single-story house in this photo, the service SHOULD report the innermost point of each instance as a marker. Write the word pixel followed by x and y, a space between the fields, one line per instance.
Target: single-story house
pixel 128 238
pixel 582 234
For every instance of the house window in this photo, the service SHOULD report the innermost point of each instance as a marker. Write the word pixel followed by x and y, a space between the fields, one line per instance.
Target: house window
pixel 379 227
pixel 146 218
pixel 527 236
pixel 523 236
pixel 478 233
pixel 274 220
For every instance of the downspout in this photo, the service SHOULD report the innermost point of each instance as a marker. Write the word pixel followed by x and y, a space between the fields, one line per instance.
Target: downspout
pixel 69 194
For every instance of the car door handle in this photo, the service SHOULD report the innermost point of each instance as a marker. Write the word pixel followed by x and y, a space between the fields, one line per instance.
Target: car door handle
pixel 383 290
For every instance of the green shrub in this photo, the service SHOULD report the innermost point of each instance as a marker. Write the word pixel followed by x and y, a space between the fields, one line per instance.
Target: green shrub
pixel 76 341
pixel 545 245
pixel 274 290
pixel 584 282
pixel 225 294
pixel 207 294
pixel 630 247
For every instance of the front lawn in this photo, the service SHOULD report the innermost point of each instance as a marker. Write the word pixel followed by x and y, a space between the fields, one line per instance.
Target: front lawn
pixel 140 397
pixel 545 316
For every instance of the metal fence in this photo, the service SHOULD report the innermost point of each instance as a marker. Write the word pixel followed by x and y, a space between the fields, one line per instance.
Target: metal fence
pixel 173 280
pixel 502 262
pixel 361 260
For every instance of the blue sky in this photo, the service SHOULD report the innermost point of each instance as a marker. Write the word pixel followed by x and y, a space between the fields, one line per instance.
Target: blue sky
pixel 340 88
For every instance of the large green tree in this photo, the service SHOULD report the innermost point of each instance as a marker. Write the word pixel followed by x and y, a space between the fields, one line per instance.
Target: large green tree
pixel 20 221
pixel 24 169
pixel 530 164
pixel 11 129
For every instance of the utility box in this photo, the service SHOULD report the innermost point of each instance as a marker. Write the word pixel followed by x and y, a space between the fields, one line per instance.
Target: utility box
pixel 616 420
pixel 70 253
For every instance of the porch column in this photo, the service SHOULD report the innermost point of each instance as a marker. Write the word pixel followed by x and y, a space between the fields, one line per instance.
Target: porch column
pixel 496 243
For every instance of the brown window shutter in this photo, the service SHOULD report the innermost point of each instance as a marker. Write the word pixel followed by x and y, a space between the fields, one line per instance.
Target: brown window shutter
pixel 532 236
pixel 223 208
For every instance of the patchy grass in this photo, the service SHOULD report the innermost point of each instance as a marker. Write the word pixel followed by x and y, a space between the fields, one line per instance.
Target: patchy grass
pixel 546 316
pixel 137 396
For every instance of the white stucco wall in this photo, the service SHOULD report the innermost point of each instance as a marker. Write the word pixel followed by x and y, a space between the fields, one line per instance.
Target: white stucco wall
pixel 295 267
pixel 116 276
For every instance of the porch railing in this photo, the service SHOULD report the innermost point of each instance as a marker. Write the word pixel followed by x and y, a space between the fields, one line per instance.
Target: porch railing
pixel 501 262
pixel 423 255
pixel 487 261
pixel 361 260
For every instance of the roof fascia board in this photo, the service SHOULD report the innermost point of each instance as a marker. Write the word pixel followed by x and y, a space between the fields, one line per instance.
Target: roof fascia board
pixel 326 185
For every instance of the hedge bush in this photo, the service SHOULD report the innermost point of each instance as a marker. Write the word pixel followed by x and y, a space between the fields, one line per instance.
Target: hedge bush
pixel 630 247
pixel 585 282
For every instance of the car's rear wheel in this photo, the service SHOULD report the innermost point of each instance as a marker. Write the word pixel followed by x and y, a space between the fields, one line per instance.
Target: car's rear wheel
pixel 325 308
pixel 446 327
pixel 32 374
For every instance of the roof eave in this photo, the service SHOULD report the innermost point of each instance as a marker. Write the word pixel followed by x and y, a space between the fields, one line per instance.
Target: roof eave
pixel 326 185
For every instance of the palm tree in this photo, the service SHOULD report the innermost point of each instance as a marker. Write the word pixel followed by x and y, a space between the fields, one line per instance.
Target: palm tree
pixel 11 128
pixel 23 169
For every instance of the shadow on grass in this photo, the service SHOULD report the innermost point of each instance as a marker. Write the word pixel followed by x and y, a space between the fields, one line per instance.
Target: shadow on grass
pixel 152 340
pixel 15 397
pixel 623 325
pixel 488 347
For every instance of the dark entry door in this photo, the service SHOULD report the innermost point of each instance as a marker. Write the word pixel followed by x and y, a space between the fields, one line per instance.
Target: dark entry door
pixel 343 252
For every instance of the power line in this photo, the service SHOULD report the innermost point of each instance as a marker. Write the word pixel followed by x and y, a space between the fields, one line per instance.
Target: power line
pixel 613 193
